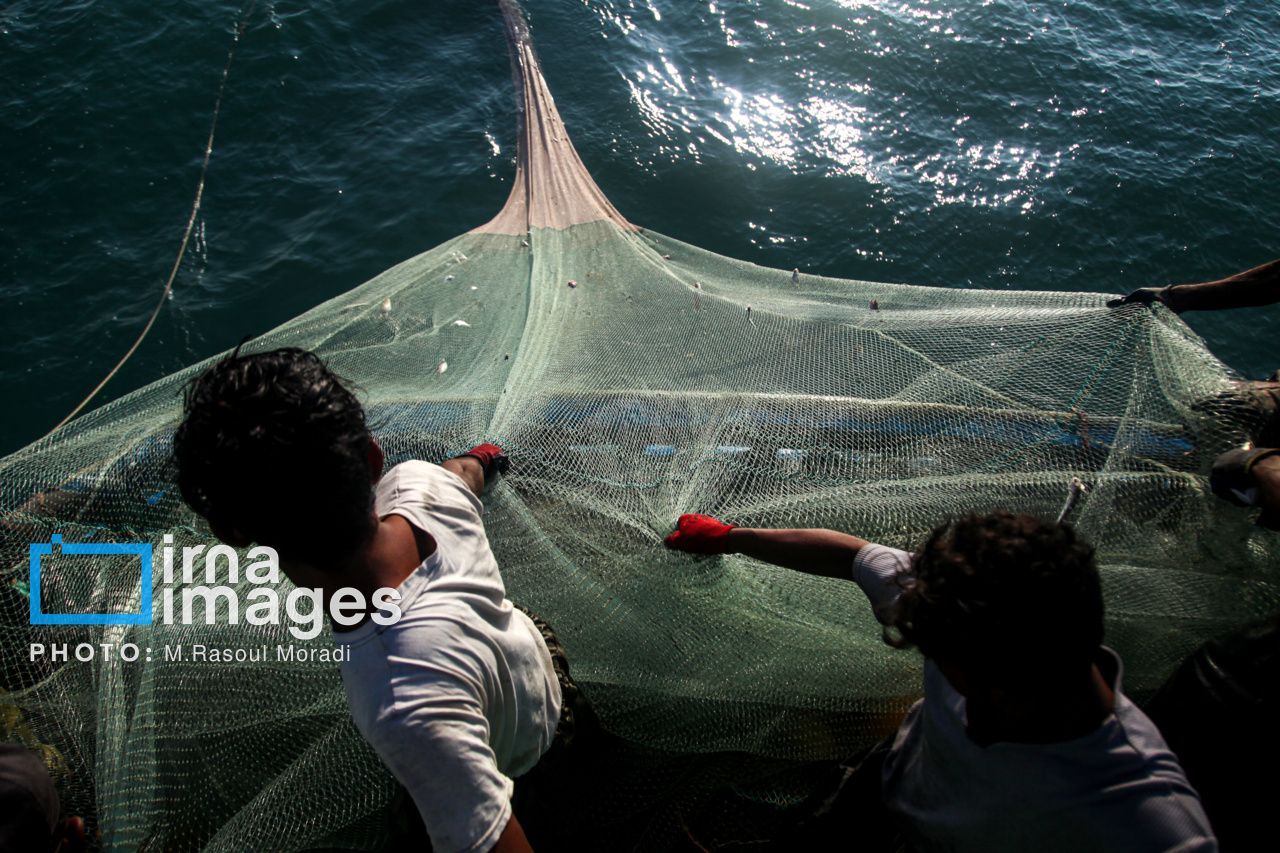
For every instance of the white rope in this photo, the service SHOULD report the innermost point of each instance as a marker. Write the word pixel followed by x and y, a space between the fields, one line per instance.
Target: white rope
pixel 186 237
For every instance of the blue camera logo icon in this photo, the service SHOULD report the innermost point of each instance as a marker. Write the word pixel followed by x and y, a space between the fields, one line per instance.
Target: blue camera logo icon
pixel 38 617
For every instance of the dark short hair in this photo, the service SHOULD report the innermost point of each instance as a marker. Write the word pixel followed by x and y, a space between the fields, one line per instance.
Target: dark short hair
pixel 1005 598
pixel 275 445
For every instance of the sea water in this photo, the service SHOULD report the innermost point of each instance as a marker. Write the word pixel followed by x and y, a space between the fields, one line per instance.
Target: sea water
pixel 1098 145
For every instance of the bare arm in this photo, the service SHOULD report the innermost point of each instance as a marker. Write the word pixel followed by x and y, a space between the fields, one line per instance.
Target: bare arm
pixel 816 552
pixel 469 469
pixel 512 839
pixel 825 553
pixel 1249 289
pixel 477 465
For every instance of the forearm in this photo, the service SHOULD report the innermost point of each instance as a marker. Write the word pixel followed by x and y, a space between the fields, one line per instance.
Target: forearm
pixel 817 552
pixel 469 469
pixel 1249 289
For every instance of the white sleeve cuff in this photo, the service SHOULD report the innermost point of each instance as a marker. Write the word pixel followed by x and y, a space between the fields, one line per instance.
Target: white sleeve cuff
pixel 878 570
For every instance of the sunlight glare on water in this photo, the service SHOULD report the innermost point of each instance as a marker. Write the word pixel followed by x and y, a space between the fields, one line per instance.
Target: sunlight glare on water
pixel 1099 145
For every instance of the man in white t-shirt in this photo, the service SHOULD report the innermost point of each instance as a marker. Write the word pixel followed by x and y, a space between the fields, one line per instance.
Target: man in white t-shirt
pixel 460 694
pixel 1024 740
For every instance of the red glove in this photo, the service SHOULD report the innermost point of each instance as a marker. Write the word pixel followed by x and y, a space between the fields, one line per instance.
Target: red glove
pixel 699 534
pixel 490 457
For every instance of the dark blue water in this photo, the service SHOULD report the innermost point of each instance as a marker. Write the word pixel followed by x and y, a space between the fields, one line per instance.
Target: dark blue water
pixel 1100 145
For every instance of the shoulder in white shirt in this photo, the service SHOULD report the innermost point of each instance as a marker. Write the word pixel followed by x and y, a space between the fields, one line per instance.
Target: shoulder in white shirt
pixel 459 696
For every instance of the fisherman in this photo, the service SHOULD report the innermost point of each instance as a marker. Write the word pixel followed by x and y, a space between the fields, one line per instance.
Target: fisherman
pixel 465 691
pixel 1024 739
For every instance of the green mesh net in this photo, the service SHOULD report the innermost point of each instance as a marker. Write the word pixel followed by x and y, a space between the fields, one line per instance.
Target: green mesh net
pixel 632 377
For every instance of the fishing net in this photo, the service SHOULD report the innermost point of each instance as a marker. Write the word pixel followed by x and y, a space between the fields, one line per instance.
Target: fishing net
pixel 631 377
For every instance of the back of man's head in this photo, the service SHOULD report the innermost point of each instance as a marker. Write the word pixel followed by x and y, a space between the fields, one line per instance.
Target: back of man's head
pixel 275 447
pixel 1007 599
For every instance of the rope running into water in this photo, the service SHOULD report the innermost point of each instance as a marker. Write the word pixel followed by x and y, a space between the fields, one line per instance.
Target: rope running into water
pixel 191 222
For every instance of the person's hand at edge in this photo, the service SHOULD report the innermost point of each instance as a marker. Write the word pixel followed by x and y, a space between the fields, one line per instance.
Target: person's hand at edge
pixel 1144 296
pixel 74 839
pixel 1252 288
pixel 699 534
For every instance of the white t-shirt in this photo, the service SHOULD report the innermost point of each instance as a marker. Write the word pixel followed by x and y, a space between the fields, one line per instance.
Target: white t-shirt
pixel 459 695
pixel 1118 788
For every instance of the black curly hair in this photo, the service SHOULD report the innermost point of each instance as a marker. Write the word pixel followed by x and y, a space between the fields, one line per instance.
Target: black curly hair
pixel 275 445
pixel 1006 598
